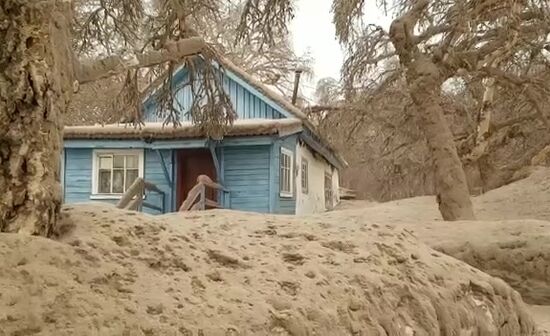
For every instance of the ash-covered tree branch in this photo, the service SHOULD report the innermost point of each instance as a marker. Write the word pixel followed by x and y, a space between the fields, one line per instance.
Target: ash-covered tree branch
pixel 94 70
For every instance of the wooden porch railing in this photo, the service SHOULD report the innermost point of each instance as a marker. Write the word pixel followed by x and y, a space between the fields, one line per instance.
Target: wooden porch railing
pixel 196 198
pixel 133 198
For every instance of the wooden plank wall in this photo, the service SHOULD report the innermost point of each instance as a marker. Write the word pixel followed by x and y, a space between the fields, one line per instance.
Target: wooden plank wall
pixel 78 177
pixel 251 173
pixel 245 103
pixel 154 173
pixel 246 175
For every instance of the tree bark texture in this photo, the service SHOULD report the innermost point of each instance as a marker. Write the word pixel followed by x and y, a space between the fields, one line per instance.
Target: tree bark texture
pixel 35 81
pixel 453 196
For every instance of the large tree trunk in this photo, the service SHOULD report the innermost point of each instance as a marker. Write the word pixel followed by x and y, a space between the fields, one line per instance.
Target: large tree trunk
pixel 424 80
pixel 34 85
pixel 453 196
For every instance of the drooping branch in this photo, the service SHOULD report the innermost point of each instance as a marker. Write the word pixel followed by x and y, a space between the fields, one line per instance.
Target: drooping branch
pixel 109 25
pixel 494 60
pixel 268 17
pixel 361 114
pixel 210 109
pixel 531 95
pixel 526 84
pixel 128 102
pixel 514 121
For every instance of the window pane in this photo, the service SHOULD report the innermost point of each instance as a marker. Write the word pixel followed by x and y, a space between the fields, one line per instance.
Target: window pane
pixel 116 172
pixel 285 175
pixel 281 179
pixel 287 181
pixel 104 183
pixel 282 173
pixel 132 161
pixel 118 161
pixel 105 162
pixel 118 181
pixel 131 176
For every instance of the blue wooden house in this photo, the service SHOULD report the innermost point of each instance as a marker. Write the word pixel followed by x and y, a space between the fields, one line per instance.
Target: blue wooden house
pixel 271 160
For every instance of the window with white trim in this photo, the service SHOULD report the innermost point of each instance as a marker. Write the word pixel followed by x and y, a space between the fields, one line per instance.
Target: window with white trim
pixel 305 176
pixel 285 173
pixel 115 171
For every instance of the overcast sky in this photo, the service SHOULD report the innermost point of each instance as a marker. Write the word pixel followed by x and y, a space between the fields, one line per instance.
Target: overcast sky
pixel 312 30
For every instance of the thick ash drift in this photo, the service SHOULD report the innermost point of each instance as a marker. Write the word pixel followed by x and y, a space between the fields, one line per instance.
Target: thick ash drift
pixel 248 274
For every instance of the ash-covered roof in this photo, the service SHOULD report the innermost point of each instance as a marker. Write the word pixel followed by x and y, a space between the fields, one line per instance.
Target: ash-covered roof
pixel 244 127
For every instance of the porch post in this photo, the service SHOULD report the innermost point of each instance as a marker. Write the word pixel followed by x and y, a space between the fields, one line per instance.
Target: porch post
pixel 212 147
pixel 219 172
pixel 167 177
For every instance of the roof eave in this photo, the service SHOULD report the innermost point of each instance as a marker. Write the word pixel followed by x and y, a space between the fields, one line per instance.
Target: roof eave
pixel 280 128
pixel 326 152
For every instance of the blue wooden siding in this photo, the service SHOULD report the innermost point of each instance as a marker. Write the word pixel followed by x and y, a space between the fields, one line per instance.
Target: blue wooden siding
pixel 282 205
pixel 246 175
pixel 246 103
pixel 155 174
pixel 78 175
pixel 250 171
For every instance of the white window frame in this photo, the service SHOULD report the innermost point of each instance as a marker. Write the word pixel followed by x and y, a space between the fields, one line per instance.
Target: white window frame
pixel 287 193
pixel 95 169
pixel 304 177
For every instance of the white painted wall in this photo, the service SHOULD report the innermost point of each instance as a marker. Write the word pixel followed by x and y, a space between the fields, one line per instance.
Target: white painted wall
pixel 335 187
pixel 314 200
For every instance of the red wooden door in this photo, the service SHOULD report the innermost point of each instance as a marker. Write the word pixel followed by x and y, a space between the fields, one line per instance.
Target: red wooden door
pixel 190 164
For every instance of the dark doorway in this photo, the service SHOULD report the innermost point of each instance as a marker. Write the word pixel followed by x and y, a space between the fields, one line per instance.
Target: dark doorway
pixel 190 164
